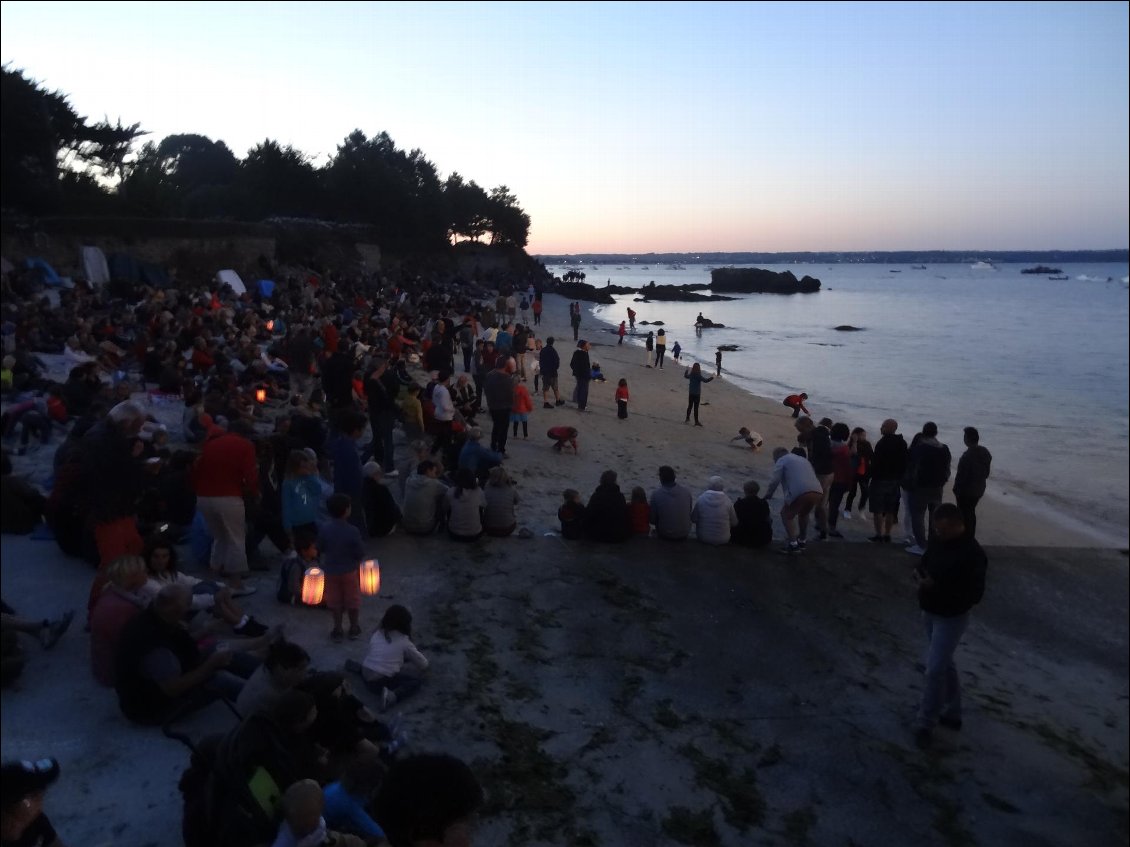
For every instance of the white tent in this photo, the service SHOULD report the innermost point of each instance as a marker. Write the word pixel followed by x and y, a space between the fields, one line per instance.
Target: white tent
pixel 230 277
pixel 94 266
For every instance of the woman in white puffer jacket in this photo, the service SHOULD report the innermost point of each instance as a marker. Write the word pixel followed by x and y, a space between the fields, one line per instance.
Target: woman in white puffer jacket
pixel 713 514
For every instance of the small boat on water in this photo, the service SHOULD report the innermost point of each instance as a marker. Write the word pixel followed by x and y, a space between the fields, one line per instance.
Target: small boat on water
pixel 918 267
pixel 983 266
pixel 1041 269
pixel 895 271
pixel 1059 278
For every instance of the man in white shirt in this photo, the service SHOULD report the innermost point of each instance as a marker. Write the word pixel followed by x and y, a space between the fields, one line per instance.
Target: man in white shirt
pixel 444 412
pixel 802 492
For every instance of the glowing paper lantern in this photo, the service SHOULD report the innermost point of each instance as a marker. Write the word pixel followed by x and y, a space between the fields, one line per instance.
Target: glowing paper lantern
pixel 371 577
pixel 313 585
pixel 260 395
pixel 270 326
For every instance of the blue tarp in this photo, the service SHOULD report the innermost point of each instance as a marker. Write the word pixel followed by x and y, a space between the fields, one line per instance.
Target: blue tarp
pixel 266 288
pixel 46 273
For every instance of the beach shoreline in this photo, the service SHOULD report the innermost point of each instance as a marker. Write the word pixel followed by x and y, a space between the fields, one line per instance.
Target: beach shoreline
pixel 1006 516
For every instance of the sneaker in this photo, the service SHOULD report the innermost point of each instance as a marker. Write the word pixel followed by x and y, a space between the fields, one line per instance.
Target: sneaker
pixel 696 423
pixel 915 550
pixel 52 631
pixel 388 699
pixel 835 533
pixel 950 723
pixel 560 403
pixel 337 636
pixel 354 633
pixel 801 543
pixel 251 629
pixel 790 548
pixel 847 515
pixel 821 536
pixel 547 405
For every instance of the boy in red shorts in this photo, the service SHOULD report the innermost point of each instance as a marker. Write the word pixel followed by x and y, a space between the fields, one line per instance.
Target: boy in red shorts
pixel 342 552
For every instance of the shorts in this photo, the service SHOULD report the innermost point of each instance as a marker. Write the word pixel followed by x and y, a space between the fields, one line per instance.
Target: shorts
pixel 885 497
pixel 549 383
pixel 343 592
pixel 802 505
pixel 519 417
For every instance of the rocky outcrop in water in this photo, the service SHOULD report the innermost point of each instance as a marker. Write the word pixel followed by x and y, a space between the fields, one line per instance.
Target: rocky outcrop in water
pixel 759 281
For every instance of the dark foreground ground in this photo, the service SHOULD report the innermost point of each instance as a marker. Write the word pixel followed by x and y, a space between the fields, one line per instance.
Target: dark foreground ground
pixel 654 694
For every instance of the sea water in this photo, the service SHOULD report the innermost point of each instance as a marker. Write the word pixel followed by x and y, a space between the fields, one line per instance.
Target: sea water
pixel 1039 366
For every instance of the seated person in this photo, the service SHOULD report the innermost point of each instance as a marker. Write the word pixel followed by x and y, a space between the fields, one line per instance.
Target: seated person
pixel 348 800
pixel 284 668
pixel 500 517
pixel 117 605
pixel 755 525
pixel 563 435
pixel 597 375
pixel 606 515
pixel 304 825
pixel 424 500
pixel 428 799
pixel 572 515
pixel 477 458
pixel 381 512
pixel 159 669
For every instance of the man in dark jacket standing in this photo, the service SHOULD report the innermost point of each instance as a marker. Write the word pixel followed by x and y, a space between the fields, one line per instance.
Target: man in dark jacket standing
pixel 550 364
pixel 581 366
pixel 498 389
pixel 930 462
pixel 380 392
pixel 969 484
pixel 951 581
pixel 888 466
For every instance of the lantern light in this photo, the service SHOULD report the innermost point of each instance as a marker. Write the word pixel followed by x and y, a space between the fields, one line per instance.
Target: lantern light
pixel 371 577
pixel 270 326
pixel 313 585
pixel 261 395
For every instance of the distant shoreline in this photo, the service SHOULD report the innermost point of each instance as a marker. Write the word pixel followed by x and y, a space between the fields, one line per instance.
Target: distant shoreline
pixel 893 257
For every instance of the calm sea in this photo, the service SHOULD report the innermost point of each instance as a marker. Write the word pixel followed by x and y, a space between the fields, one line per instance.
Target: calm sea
pixel 1040 367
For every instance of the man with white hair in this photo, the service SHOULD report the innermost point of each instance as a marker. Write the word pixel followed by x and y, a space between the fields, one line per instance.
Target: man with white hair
pixel 713 513
pixel 802 492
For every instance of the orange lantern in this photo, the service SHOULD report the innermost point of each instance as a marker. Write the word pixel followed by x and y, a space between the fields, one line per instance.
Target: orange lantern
pixel 313 585
pixel 371 577
pixel 270 326
pixel 260 395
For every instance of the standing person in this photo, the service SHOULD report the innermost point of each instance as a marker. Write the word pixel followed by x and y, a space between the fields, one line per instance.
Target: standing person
pixel 536 309
pixel 621 332
pixel 861 453
pixel 796 403
pixel 622 400
pixel 843 475
pixel 550 363
pixel 499 393
pixel 520 408
pixel 581 367
pixel 444 413
pixel 817 440
pixel 718 362
pixel 676 351
pixel 343 452
pixel 380 395
pixel 524 308
pixel 888 466
pixel 225 473
pixel 631 319
pixel 694 374
pixel 969 483
pixel 467 344
pixel 660 347
pixel 482 363
pixel 930 462
pixel 575 321
pixel 802 493
pixel 342 551
pixel 649 347
pixel 951 581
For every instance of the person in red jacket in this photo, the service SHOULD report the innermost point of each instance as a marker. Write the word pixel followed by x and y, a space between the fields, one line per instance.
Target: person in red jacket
pixel 521 408
pixel 226 472
pixel 796 403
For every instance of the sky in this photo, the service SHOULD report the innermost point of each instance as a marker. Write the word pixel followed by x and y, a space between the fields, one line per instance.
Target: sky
pixel 655 127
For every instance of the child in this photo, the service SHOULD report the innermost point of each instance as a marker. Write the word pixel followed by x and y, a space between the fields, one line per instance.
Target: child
pixel 412 412
pixel 753 439
pixel 622 400
pixel 597 375
pixel 381 512
pixel 521 408
pixel 639 514
pixel 342 552
pixel 563 435
pixel 389 648
pixel 718 362
pixel 301 495
pixel 755 526
pixel 572 515
pixel 535 368
pixel 676 351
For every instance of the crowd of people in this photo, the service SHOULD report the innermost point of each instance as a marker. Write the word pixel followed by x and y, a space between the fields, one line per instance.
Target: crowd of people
pixel 293 409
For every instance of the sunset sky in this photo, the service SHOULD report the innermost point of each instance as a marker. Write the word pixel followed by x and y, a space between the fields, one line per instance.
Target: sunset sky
pixel 655 127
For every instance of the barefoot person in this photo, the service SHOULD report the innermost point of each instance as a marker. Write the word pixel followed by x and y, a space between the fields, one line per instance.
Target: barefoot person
pixel 796 403
pixel 694 393
pixel 802 493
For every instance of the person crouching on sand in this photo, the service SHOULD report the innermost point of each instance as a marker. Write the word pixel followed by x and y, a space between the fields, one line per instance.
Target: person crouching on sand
pixel 796 403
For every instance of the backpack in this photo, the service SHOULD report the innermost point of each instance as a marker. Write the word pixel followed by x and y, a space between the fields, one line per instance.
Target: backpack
pixel 290 581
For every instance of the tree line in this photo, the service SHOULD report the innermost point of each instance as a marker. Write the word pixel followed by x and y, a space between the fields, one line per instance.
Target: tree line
pixel 55 161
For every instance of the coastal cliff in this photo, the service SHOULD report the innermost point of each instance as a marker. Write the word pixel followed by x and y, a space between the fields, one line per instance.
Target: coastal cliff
pixel 759 281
